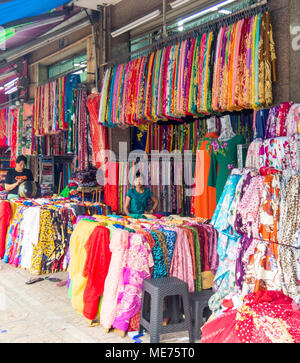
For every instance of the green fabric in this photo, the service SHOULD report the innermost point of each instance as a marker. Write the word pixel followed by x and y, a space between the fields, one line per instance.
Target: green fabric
pixel 218 179
pixel 139 201
pixel 70 289
pixel 137 216
pixel 65 193
pixel 12 196
pixel 198 281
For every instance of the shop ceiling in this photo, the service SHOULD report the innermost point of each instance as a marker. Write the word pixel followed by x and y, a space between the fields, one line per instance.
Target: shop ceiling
pixel 94 4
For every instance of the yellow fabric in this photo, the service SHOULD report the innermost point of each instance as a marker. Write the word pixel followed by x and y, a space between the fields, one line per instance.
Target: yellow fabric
pixel 207 279
pixel 78 256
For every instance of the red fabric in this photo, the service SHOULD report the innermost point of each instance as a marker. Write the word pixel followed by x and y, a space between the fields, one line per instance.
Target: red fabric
pixel 3 118
pixel 221 329
pixel 95 270
pixel 265 170
pixel 5 217
pixel 13 154
pixel 267 304
pixel 111 189
pixel 265 316
pixel 99 133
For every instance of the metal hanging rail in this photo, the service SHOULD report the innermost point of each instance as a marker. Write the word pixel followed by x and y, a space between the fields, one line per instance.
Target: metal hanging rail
pixel 251 10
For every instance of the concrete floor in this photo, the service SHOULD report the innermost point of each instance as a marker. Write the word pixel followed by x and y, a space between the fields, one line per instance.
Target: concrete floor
pixel 42 313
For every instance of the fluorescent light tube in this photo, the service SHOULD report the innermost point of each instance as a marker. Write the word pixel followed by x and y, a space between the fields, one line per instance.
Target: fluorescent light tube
pixel 178 3
pixel 226 12
pixel 136 23
pixel 205 11
pixel 12 90
pixel 10 83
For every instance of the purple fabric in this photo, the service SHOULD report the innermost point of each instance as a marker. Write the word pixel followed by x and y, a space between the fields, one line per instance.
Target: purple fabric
pixel 79 218
pixel 136 270
pixel 271 122
pixel 245 242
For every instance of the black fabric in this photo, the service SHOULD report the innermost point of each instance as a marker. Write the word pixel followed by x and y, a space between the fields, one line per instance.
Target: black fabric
pixel 13 176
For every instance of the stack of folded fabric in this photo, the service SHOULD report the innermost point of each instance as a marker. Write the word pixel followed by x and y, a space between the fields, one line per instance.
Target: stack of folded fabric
pixel 84 178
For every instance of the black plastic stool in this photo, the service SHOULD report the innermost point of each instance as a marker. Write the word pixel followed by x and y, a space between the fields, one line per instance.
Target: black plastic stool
pixel 158 289
pixel 199 305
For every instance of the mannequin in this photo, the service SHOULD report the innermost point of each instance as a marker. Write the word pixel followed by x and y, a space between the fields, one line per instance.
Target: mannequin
pixel 221 164
pixel 211 125
pixel 226 129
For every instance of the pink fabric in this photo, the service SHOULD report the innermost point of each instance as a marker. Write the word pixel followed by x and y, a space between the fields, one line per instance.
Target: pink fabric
pixel 118 246
pixel 182 264
pixel 137 266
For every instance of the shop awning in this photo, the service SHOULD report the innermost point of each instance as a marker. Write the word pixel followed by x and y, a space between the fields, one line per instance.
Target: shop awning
pixel 12 10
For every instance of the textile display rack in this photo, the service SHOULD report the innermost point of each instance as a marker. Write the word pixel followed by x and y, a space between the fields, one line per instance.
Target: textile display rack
pixel 257 219
pixel 110 256
pixel 140 91
pixel 35 233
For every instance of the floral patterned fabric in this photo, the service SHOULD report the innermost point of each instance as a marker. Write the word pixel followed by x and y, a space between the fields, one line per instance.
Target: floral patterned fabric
pixel 293 120
pixel 224 281
pixel 288 250
pixel 264 317
pixel 138 262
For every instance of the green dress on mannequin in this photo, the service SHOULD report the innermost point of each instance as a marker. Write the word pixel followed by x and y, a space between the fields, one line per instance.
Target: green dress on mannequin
pixel 225 160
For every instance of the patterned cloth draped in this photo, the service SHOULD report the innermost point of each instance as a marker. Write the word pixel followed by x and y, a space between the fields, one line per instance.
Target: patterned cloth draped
pixel 224 70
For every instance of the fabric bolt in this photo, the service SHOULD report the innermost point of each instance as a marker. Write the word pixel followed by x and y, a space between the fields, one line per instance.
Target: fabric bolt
pixel 136 270
pixel 248 209
pixel 253 159
pixel 181 265
pixel 118 245
pixel 30 228
pixel 271 122
pixel 159 269
pixel 264 317
pixel 45 245
pixel 78 255
pixel 95 269
pixel 281 126
pixel 197 256
pixel 5 218
pixel 293 120
pixel 289 225
pixel 261 119
pixel 224 280
pixel 227 69
pixel 263 267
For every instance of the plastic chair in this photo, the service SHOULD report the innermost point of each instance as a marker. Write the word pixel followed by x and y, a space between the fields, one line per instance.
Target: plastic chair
pixel 199 310
pixel 159 289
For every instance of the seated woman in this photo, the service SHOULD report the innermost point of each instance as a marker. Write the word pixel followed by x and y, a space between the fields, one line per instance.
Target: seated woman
pixel 16 176
pixel 137 199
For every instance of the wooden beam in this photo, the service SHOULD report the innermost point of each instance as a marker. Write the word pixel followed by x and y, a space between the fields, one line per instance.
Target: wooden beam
pixel 62 51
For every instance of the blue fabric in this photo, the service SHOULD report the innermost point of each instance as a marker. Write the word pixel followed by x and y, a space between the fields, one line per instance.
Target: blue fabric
pixel 159 269
pixel 19 9
pixel 72 81
pixel 170 241
pixel 261 123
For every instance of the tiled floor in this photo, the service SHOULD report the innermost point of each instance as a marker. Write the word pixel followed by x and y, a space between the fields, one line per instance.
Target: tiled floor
pixel 42 312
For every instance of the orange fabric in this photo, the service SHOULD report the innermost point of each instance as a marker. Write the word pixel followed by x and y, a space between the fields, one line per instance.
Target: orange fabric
pixel 205 199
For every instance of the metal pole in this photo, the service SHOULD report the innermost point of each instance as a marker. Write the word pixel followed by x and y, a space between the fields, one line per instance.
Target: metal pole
pixel 165 33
